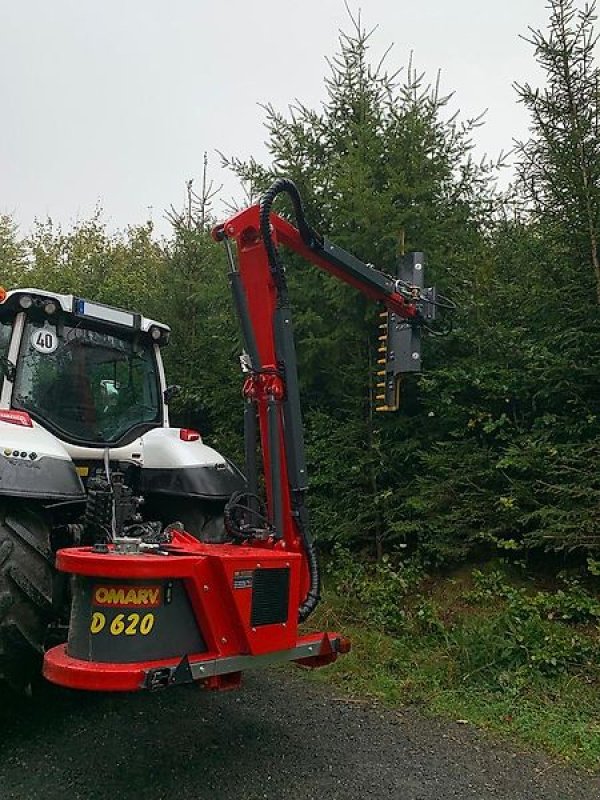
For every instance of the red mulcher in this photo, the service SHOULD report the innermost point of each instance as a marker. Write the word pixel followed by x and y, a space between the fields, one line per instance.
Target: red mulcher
pixel 155 612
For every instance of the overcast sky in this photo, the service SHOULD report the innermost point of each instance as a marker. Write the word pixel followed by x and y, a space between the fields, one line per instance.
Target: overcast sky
pixel 113 102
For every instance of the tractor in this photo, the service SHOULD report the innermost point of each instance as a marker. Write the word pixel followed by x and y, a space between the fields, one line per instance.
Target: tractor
pixel 84 413
pixel 133 556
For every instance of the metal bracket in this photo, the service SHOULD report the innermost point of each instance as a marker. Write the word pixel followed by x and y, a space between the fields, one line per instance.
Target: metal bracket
pixel 399 350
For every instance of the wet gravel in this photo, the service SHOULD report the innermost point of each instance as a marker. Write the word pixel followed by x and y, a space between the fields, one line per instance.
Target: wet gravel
pixel 279 737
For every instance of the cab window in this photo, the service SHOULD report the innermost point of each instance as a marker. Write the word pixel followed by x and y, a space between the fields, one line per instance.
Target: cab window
pixel 87 385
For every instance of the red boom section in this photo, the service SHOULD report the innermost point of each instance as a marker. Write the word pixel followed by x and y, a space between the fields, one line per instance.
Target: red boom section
pixel 261 298
pixel 244 228
pixel 262 301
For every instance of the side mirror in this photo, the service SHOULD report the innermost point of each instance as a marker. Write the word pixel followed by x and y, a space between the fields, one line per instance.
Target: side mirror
pixel 170 392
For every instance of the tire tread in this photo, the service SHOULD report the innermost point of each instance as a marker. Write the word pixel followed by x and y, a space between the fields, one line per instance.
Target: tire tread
pixel 26 581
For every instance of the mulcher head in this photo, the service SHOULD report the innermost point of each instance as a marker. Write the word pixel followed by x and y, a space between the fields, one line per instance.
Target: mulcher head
pixel 399 350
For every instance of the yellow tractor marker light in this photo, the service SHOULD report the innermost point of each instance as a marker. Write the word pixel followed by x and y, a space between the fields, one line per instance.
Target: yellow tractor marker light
pixel 3 294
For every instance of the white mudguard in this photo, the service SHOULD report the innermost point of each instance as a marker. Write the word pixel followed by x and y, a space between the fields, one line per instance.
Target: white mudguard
pixel 186 468
pixel 170 465
pixel 34 463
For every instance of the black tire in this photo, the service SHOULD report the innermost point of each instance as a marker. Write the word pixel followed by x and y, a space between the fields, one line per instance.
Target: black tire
pixel 27 577
pixel 202 518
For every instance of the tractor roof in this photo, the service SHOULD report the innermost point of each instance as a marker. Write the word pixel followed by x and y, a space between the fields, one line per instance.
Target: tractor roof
pixel 21 299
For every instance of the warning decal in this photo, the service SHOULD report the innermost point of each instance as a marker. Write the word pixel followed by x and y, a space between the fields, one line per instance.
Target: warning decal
pixel 242 579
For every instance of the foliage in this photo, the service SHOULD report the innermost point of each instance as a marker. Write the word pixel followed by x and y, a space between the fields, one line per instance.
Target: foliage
pixel 519 638
pixel 496 444
pixel 204 358
pixel 381 166
pixel 476 646
pixel 559 165
pixel 378 588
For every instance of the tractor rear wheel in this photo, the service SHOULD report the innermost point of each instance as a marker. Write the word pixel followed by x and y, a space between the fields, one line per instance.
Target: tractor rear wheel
pixel 202 518
pixel 26 590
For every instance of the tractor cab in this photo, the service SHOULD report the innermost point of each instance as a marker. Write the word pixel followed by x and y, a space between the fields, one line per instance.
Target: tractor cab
pixel 90 374
pixel 86 455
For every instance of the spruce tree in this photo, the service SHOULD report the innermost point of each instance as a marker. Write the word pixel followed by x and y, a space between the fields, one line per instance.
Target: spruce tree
pixel 381 163
pixel 559 165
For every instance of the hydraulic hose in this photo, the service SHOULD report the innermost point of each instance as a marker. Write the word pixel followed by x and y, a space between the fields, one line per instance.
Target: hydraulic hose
pixel 311 239
pixel 309 236
pixel 313 596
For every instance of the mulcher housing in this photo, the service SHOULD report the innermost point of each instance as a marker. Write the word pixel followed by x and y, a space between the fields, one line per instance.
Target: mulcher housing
pixel 202 613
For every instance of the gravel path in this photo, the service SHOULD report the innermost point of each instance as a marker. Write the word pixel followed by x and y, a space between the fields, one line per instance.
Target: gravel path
pixel 280 737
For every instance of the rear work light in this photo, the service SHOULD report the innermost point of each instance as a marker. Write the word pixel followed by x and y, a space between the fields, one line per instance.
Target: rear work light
pixel 16 417
pixel 188 435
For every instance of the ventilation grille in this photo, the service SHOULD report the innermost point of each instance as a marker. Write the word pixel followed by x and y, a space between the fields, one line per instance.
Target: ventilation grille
pixel 270 596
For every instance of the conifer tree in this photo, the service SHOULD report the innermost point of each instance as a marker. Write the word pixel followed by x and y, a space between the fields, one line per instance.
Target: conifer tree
pixel 380 163
pixel 559 165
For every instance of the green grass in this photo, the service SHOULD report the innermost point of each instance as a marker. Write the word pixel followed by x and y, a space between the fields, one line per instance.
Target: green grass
pixel 532 680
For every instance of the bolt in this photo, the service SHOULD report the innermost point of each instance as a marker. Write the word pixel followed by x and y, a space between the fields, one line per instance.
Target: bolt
pixel 418 267
pixel 310 649
pixel 284 624
pixel 415 356
pixel 253 630
pixel 205 588
pixel 223 640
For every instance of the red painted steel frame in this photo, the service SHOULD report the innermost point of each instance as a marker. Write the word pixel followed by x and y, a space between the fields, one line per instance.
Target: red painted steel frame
pixel 89 676
pixel 261 298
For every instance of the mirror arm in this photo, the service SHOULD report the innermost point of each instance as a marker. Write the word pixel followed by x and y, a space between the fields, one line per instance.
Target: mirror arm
pixel 8 369
pixel 170 392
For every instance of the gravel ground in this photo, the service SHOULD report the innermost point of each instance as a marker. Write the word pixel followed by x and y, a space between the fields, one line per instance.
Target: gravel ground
pixel 279 737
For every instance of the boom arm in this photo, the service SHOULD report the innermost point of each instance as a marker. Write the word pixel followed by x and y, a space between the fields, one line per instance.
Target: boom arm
pixel 271 386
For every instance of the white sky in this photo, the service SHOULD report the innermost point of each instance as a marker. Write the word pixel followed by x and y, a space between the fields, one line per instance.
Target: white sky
pixel 113 102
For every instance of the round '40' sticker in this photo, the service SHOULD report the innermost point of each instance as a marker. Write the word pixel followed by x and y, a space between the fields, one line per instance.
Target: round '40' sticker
pixel 44 341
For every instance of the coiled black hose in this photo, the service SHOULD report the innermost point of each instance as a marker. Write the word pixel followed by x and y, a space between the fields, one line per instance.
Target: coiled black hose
pixel 309 236
pixel 313 596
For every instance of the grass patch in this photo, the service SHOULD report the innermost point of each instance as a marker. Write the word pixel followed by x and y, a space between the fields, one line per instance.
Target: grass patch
pixel 502 654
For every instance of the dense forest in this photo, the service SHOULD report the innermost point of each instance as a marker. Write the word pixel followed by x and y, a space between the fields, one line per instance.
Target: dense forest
pixel 497 445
